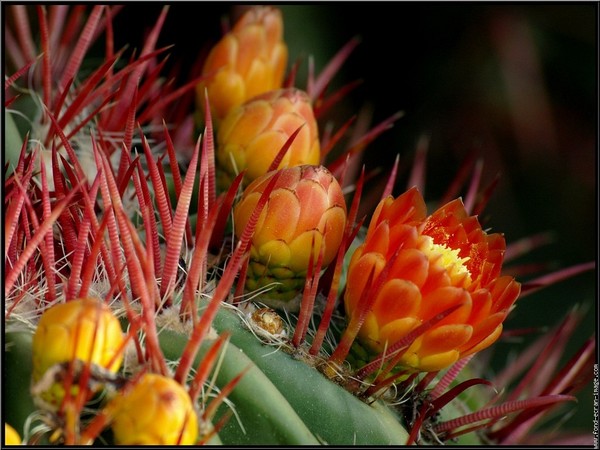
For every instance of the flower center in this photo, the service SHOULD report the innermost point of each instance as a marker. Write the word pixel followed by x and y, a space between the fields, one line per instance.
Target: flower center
pixel 448 258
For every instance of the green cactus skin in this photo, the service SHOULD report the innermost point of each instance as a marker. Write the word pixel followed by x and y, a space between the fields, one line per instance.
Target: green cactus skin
pixel 284 401
pixel 259 405
pixel 16 381
pixel 280 393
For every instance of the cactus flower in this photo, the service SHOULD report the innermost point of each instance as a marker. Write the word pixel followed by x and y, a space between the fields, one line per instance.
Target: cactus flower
pixel 443 260
pixel 253 133
pixel 307 203
pixel 11 437
pixel 247 61
pixel 85 329
pixel 155 411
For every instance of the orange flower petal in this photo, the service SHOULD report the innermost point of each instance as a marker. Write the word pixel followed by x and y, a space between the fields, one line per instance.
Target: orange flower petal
pixel 379 214
pixel 370 330
pixel 358 273
pixel 444 338
pixel 306 210
pixel 438 361
pixel 402 236
pixel 300 248
pixel 379 241
pixel 331 222
pixel 485 342
pixel 243 211
pixel 281 217
pixel 443 298
pixel 397 299
pixel 484 329
pixel 408 207
pixel 482 305
pixel 311 193
pixel 413 265
pixel 505 292
pixel 261 152
pixel 395 330
pixel 245 121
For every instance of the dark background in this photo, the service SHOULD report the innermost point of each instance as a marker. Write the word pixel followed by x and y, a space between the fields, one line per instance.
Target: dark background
pixel 514 82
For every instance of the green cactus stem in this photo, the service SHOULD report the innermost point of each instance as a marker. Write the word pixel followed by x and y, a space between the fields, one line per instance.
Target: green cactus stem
pixel 284 401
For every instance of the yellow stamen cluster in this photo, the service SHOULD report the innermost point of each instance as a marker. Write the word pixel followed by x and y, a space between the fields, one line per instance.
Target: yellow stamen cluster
pixel 447 258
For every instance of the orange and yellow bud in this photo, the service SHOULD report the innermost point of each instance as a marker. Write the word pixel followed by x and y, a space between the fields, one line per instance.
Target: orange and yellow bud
pixel 11 437
pixel 155 411
pixel 443 260
pixel 83 329
pixel 306 204
pixel 247 61
pixel 253 133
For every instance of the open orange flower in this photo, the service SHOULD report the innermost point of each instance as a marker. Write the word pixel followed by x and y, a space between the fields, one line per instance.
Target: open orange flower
pixel 247 61
pixel 443 260
pixel 306 205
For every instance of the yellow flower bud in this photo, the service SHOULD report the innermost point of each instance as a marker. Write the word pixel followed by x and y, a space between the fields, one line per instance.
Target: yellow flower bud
pixel 11 437
pixel 247 61
pixel 443 260
pixel 155 411
pixel 253 133
pixel 307 203
pixel 83 329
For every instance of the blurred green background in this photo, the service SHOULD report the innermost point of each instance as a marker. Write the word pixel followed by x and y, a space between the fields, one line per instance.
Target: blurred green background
pixel 515 83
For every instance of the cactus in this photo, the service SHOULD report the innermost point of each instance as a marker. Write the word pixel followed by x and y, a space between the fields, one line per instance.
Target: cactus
pixel 140 297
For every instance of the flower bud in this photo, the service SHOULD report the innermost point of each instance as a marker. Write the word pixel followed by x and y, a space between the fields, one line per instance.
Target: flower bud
pixel 253 133
pixel 155 411
pixel 11 437
pixel 307 203
pixel 84 329
pixel 443 260
pixel 247 61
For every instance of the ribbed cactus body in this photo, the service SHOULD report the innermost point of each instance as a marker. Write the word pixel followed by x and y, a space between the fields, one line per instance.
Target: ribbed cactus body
pixel 252 310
